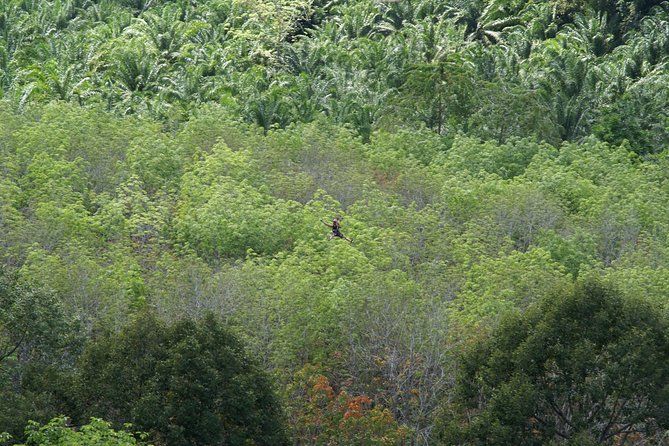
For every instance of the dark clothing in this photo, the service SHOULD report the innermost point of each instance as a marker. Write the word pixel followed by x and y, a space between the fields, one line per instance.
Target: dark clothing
pixel 335 229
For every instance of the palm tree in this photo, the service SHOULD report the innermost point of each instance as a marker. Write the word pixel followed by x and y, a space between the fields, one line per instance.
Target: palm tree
pixel 568 85
pixel 127 74
pixel 651 41
pixel 357 19
pixel 163 29
pixel 15 26
pixel 589 34
pixel 139 6
pixel 52 80
pixel 437 85
pixel 307 95
pixel 107 17
pixel 484 22
pixel 136 67
pixel 441 93
pixel 305 55
pixel 433 42
pixel 266 97
pixel 355 97
pixel 395 15
pixel 397 58
pixel 5 74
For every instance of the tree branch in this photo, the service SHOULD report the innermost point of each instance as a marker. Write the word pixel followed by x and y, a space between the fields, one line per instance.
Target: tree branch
pixel 559 413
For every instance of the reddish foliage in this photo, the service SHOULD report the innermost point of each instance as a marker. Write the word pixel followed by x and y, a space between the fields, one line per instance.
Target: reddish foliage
pixel 322 416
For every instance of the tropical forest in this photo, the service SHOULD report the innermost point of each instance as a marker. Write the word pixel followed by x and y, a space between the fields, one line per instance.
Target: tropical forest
pixel 334 222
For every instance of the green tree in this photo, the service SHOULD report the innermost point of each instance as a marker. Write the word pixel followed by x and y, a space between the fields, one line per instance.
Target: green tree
pixel 439 93
pixel 484 20
pixel 190 383
pixel 639 116
pixel 505 110
pixel 585 367
pixel 96 433
pixel 36 341
pixel 32 323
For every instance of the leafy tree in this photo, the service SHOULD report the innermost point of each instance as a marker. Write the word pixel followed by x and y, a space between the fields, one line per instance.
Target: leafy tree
pixel 510 283
pixel 96 433
pixel 505 160
pixel 32 323
pixel 100 291
pixel 420 120
pixel 638 117
pixel 321 416
pixel 37 342
pixel 229 217
pixel 506 111
pixel 11 220
pixel 440 93
pixel 585 367
pixel 190 383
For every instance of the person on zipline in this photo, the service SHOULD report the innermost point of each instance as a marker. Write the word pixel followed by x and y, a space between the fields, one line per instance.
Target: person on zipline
pixel 336 224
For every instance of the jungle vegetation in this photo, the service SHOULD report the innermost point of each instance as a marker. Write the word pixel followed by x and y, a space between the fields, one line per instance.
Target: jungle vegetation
pixel 501 166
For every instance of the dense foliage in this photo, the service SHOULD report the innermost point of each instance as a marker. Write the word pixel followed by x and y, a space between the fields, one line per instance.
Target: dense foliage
pixel 36 341
pixel 96 433
pixel 558 70
pixel 588 367
pixel 165 160
pixel 185 384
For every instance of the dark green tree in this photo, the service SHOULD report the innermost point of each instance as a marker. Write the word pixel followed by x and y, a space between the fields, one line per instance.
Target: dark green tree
pixel 37 342
pixel 190 383
pixel 586 367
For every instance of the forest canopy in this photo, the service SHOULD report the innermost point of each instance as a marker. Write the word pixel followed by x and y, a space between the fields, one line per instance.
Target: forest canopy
pixel 500 165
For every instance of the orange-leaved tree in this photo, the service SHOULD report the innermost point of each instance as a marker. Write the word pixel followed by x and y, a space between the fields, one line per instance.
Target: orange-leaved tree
pixel 322 413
